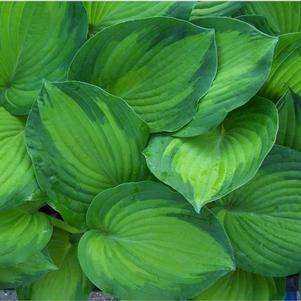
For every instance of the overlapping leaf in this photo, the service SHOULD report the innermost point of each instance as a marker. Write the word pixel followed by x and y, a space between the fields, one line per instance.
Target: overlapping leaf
pixel 22 234
pixel 102 14
pixel 241 71
pixel 216 8
pixel 282 17
pixel 289 108
pixel 285 69
pixel 204 89
pixel 260 22
pixel 83 140
pixel 66 283
pixel 263 218
pixel 146 62
pixel 16 174
pixel 25 272
pixel 37 41
pixel 206 167
pixel 146 243
pixel 240 285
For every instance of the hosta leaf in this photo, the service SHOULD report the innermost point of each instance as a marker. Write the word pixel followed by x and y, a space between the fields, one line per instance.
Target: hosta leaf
pixel 217 8
pixel 25 272
pixel 66 283
pixel 289 108
pixel 102 14
pixel 263 218
pixel 16 174
pixel 286 68
pixel 260 22
pixel 280 286
pixel 206 167
pixel 146 63
pixel 22 234
pixel 83 140
pixel 240 285
pixel 241 71
pixel 60 224
pixel 37 41
pixel 146 243
pixel 282 16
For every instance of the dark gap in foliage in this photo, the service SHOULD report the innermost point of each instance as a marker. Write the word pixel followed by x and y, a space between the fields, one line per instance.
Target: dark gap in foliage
pixel 50 211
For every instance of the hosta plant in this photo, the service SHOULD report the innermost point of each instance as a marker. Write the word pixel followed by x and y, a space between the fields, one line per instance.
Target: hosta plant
pixel 151 150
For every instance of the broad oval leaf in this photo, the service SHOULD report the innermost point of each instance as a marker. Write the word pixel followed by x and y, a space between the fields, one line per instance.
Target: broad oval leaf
pixel 149 234
pixel 25 272
pixel 83 140
pixel 207 167
pixel 37 41
pixel 263 218
pixel 22 234
pixel 146 63
pixel 102 14
pixel 286 68
pixel 282 17
pixel 241 286
pixel 289 108
pixel 240 74
pixel 215 8
pixel 16 173
pixel 66 283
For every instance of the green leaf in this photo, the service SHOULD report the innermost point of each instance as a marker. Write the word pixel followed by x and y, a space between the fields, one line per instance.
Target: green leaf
pixel 280 288
pixel 207 167
pixel 16 174
pixel 146 63
pixel 102 14
pixel 240 285
pixel 263 218
pixel 25 272
pixel 215 8
pixel 282 16
pixel 22 235
pixel 146 243
pixel 241 71
pixel 59 224
pixel 66 283
pixel 37 40
pixel 286 68
pixel 289 108
pixel 260 22
pixel 83 140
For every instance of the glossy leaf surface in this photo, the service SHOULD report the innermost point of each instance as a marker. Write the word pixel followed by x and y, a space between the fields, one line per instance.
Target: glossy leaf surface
pixel 22 234
pixel 262 218
pixel 25 272
pixel 215 8
pixel 289 108
pixel 260 22
pixel 240 285
pixel 282 17
pixel 16 173
pixel 66 283
pixel 102 14
pixel 136 230
pixel 146 63
pixel 83 140
pixel 286 68
pixel 207 167
pixel 37 41
pixel 241 71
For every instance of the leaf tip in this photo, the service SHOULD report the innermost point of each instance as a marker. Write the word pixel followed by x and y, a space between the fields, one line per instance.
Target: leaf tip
pixel 197 207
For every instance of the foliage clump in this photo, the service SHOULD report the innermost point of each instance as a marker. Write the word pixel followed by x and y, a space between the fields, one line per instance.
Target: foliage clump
pixel 150 149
